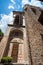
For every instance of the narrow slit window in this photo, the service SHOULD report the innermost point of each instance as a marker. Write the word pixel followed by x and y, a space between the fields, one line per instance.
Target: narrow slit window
pixel 34 10
pixel 42 36
pixel 41 18
pixel 25 9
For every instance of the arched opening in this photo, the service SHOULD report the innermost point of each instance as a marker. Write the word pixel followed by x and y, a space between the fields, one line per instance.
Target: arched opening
pixel 16 34
pixel 14 53
pixel 21 20
pixel 16 21
pixel 15 38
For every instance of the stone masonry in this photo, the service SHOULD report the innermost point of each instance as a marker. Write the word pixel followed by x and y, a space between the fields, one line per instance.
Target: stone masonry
pixel 24 37
pixel 34 31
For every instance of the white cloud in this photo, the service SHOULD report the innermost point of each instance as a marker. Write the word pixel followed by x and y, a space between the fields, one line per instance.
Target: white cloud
pixel 33 3
pixel 10 7
pixel 5 20
pixel 25 2
pixel 12 1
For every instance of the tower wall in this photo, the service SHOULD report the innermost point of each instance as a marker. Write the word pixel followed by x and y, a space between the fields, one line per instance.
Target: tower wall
pixel 24 38
pixel 34 31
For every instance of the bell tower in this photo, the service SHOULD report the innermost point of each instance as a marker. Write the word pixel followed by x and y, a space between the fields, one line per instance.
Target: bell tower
pixel 16 40
pixel 18 47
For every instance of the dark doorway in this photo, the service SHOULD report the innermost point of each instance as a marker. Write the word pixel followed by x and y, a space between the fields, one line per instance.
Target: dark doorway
pixel 15 52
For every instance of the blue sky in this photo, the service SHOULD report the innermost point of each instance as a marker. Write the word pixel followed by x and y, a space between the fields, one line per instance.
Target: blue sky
pixel 7 6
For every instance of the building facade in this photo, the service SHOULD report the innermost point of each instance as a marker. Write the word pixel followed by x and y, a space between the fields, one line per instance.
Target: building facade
pixel 23 40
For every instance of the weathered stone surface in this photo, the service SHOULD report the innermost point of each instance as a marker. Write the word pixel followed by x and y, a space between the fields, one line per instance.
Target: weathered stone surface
pixel 34 37
pixel 28 40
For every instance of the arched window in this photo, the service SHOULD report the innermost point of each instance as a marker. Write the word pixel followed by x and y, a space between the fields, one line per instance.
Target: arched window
pixel 16 34
pixel 16 21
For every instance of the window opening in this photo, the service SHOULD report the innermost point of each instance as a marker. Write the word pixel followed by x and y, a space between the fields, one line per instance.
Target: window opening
pixel 41 18
pixel 16 21
pixel 34 10
pixel 15 52
pixel 42 36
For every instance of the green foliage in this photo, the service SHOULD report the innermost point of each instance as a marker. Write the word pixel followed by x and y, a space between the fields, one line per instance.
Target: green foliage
pixel 1 33
pixel 6 59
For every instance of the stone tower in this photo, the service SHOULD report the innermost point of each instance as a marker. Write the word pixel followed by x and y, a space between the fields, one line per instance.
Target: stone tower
pixel 23 40
pixel 41 0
